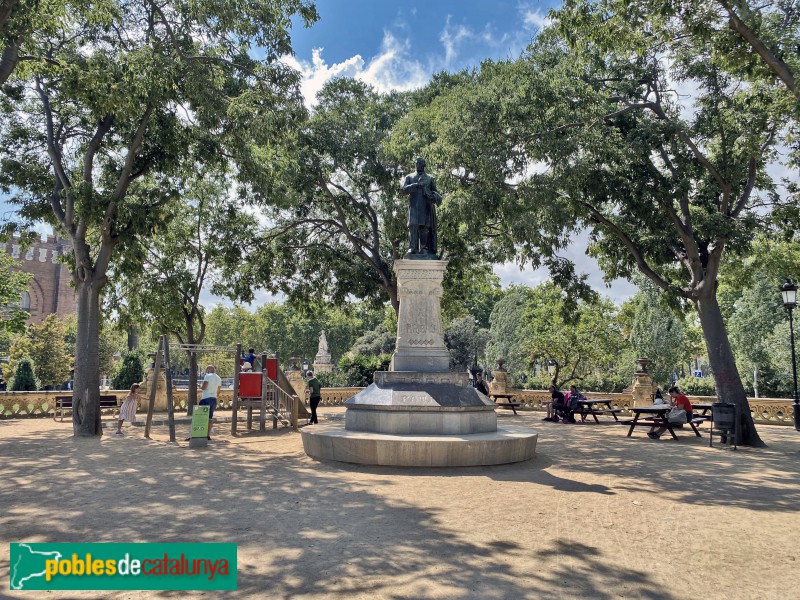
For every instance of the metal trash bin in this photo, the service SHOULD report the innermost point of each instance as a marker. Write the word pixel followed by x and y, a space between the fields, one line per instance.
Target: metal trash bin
pixel 724 423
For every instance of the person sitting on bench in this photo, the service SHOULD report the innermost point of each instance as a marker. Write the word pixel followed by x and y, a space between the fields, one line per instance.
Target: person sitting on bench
pixel 678 400
pixel 556 399
pixel 566 412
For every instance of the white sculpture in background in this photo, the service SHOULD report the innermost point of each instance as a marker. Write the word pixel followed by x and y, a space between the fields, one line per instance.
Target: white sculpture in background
pixel 322 362
pixel 323 344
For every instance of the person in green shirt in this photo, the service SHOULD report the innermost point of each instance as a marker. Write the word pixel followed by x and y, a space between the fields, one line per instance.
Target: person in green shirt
pixel 313 387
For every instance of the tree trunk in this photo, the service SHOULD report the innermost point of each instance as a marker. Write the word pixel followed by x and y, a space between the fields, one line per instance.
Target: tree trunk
pixel 191 400
pixel 755 381
pixel 8 60
pixel 86 389
pixel 723 366
pixel 133 338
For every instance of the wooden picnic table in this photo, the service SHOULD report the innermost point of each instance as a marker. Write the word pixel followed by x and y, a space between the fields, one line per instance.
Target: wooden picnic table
pixel 507 404
pixel 656 416
pixel 705 407
pixel 587 407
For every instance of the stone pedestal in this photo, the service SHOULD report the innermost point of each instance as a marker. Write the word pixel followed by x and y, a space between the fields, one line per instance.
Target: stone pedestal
pixel 642 389
pixel 409 402
pixel 499 383
pixel 420 341
pixel 322 364
pixel 418 413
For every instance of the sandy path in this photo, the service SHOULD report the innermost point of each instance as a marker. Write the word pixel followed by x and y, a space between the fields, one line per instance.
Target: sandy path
pixel 591 516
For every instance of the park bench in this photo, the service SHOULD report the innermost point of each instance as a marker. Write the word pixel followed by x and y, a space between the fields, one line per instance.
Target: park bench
pixel 589 407
pixel 507 404
pixel 64 403
pixel 657 421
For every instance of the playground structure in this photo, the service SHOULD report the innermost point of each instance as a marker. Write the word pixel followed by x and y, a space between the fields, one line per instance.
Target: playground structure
pixel 268 391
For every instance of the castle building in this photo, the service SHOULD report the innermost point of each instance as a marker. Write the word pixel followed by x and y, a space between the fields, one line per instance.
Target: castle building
pixel 49 291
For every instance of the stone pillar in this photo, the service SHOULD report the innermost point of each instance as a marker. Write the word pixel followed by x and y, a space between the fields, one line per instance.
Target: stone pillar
pixel 420 340
pixel 499 383
pixel 322 363
pixel 642 388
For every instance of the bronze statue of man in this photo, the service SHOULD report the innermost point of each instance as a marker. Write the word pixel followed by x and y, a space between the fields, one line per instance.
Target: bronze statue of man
pixel 423 198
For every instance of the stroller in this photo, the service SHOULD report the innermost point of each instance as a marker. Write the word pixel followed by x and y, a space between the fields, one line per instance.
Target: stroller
pixel 565 412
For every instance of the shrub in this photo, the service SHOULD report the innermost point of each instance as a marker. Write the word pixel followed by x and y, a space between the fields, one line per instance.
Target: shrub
pixel 609 383
pixel 331 380
pixel 697 386
pixel 24 377
pixel 359 369
pixel 130 371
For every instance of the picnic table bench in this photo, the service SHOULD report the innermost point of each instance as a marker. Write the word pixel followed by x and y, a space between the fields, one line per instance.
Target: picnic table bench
pixel 64 403
pixel 658 418
pixel 507 404
pixel 705 408
pixel 587 407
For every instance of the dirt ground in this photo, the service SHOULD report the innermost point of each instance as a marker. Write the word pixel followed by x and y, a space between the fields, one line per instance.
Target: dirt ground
pixel 594 515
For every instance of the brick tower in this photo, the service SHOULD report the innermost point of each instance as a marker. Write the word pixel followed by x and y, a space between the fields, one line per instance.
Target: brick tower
pixel 49 291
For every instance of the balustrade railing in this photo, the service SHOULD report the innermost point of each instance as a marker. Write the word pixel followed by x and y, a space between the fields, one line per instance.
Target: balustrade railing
pixel 770 411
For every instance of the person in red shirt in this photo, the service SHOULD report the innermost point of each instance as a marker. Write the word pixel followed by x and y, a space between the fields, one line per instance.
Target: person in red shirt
pixel 678 400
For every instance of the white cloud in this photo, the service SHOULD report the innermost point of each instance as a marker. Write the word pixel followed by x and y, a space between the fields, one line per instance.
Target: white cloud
pixel 392 68
pixel 452 37
pixel 619 290
pixel 533 18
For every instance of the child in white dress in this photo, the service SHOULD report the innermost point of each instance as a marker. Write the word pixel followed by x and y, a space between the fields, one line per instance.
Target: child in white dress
pixel 127 411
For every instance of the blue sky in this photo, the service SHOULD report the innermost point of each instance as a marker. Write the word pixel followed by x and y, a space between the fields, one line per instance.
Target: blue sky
pixel 399 45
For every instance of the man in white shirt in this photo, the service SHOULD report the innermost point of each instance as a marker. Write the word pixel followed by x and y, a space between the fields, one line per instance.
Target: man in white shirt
pixel 211 385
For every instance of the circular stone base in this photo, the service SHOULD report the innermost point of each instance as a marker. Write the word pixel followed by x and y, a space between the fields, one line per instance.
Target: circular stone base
pixel 509 444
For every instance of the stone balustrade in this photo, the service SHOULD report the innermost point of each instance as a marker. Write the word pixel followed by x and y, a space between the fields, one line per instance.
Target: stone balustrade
pixel 771 411
pixel 42 404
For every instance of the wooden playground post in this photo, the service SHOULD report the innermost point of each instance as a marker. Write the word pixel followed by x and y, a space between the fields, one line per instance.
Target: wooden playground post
pixel 151 405
pixel 236 372
pixel 273 391
pixel 170 405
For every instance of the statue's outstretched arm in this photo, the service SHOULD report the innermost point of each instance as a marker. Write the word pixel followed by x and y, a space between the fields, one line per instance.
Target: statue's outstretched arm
pixel 409 186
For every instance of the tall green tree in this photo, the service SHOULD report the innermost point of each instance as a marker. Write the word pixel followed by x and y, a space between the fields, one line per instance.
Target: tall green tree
pixel 574 345
pixel 50 352
pixel 191 252
pixel 20 19
pixel 24 377
pixel 757 312
pixel 601 144
pixel 123 103
pixel 754 311
pixel 340 217
pixel 339 200
pixel 506 331
pixel 466 342
pixel 657 333
pixel 757 38
pixel 12 285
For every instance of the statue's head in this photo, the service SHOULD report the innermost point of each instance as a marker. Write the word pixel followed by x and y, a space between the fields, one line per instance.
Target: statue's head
pixel 420 164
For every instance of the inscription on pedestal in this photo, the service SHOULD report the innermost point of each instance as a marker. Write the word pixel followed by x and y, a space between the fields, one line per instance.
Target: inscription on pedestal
pixel 385 378
pixel 420 343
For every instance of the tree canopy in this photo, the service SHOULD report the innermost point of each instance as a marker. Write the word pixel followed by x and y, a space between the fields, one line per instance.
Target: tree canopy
pixel 121 103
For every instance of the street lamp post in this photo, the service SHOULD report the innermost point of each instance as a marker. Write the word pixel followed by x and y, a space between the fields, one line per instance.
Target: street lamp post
pixel 789 291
